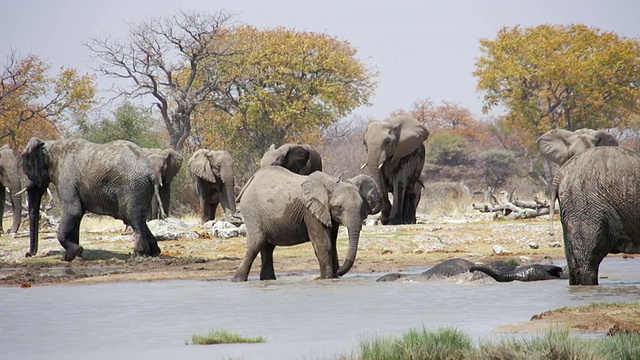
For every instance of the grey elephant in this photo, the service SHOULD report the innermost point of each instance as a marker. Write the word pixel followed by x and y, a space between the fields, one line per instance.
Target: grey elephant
pixel 395 159
pixel 446 269
pixel 300 158
pixel 281 208
pixel 212 172
pixel 10 180
pixel 113 179
pixel 166 163
pixel 530 272
pixel 560 145
pixel 599 197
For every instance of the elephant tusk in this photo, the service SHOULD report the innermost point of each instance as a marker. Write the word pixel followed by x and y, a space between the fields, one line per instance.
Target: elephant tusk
pixel 380 166
pixel 24 189
pixel 363 166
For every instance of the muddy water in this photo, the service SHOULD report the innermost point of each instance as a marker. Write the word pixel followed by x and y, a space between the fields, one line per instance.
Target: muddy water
pixel 300 318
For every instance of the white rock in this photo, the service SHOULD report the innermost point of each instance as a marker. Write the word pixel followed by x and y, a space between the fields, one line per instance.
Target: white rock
pixel 497 249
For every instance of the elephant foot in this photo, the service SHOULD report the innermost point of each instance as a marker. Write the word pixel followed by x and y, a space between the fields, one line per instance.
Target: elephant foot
pixel 155 250
pixel 73 251
pixel 239 278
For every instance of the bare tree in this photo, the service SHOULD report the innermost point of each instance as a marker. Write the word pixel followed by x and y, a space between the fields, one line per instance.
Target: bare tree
pixel 173 60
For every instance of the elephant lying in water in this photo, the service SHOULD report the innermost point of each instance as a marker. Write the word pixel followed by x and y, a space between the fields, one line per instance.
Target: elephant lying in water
pixel 499 271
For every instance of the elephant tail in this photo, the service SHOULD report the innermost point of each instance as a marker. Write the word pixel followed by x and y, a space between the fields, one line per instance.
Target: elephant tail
pixel 554 195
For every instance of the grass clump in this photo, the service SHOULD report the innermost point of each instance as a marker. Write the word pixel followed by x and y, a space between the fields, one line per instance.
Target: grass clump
pixel 223 337
pixel 452 344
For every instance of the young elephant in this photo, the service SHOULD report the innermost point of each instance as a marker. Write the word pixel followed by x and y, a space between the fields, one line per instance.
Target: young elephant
pixel 281 208
pixel 113 179
pixel 300 158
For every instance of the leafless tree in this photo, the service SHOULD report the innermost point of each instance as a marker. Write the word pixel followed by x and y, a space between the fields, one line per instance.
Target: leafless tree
pixel 172 60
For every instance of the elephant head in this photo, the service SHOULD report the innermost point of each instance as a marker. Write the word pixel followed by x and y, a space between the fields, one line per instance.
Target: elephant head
pixel 346 203
pixel 560 145
pixel 10 179
pixel 298 158
pixel 166 163
pixel 213 171
pixel 35 163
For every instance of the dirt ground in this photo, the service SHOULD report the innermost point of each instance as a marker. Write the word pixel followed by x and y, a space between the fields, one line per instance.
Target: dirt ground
pixel 383 249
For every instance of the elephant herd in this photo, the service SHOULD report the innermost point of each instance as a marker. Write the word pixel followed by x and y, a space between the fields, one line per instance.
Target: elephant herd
pixel 289 200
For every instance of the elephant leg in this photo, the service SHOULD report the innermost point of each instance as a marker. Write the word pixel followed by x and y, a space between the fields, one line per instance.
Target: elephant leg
pixel 582 251
pixel 255 242
pixel 69 230
pixel 146 243
pixel 321 239
pixel 385 212
pixel 3 196
pixel 266 255
pixel 396 216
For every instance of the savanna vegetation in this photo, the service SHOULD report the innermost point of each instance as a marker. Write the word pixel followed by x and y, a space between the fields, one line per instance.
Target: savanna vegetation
pixel 208 81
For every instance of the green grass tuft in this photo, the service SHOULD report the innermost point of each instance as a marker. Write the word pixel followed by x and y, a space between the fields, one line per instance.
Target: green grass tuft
pixel 223 337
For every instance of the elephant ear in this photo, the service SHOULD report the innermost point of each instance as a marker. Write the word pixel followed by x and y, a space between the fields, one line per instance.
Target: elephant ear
pixel 554 145
pixel 174 163
pixel 296 158
pixel 34 162
pixel 316 198
pixel 411 134
pixel 369 191
pixel 200 166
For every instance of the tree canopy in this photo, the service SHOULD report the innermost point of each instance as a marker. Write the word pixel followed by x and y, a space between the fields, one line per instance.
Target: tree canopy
pixel 34 102
pixel 561 76
pixel 281 86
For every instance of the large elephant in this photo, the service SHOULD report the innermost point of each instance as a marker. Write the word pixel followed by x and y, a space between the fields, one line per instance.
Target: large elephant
pixel 10 179
pixel 599 197
pixel 281 208
pixel 113 179
pixel 395 158
pixel 560 145
pixel 212 171
pixel 166 163
pixel 300 158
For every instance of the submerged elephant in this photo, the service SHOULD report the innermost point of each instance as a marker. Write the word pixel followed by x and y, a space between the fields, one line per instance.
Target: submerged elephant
pixel 10 180
pixel 531 272
pixel 395 158
pixel 281 208
pixel 113 179
pixel 446 269
pixel 212 172
pixel 166 163
pixel 299 158
pixel 598 193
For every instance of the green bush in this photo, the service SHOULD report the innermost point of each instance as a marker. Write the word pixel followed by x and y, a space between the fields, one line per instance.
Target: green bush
pixel 447 149
pixel 497 166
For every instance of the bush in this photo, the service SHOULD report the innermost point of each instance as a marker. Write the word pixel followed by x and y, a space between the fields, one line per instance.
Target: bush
pixel 447 149
pixel 497 167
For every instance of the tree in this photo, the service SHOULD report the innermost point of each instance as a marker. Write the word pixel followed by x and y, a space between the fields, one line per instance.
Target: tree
pixel 561 76
pixel 35 103
pixel 174 61
pixel 129 122
pixel 281 86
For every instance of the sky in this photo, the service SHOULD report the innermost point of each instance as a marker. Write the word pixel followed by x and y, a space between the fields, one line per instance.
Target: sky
pixel 422 49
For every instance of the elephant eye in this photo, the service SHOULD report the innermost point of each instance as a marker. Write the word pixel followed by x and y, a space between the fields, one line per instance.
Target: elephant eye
pixel 338 208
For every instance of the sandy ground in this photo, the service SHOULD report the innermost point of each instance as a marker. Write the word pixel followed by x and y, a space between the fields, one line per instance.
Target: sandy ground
pixel 383 249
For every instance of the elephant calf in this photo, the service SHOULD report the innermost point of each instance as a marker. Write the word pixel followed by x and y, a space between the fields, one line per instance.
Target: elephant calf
pixel 281 208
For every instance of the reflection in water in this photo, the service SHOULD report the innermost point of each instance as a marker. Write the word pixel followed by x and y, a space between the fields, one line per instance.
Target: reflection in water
pixel 298 317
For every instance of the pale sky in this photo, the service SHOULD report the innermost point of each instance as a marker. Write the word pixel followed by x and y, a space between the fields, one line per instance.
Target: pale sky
pixel 422 49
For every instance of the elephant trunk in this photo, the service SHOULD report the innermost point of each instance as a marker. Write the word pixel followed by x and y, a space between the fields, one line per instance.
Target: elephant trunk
pixel 34 197
pixel 354 238
pixel 499 276
pixel 373 167
pixel 228 199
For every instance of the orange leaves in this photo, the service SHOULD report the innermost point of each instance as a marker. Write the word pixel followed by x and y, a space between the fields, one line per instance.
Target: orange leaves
pixel 560 76
pixel 34 103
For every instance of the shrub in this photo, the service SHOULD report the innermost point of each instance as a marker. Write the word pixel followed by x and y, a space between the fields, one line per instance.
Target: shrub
pixel 447 149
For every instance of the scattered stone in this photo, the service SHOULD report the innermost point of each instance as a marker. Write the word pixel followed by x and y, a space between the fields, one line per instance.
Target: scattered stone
pixel 371 222
pixel 555 244
pixel 418 251
pixel 171 229
pixel 533 245
pixel 386 252
pixel 225 230
pixel 497 249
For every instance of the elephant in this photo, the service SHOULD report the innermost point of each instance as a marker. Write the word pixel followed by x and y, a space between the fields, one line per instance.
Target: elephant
pixel 560 145
pixel 10 180
pixel 531 272
pixel 299 158
pixel 212 172
pixel 113 179
pixel 446 269
pixel 166 163
pixel 395 158
pixel 598 194
pixel 281 208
